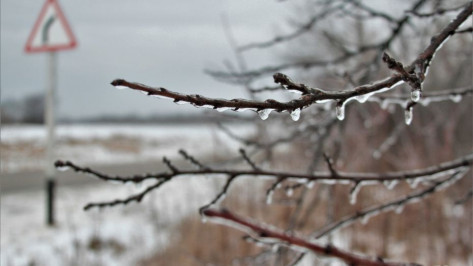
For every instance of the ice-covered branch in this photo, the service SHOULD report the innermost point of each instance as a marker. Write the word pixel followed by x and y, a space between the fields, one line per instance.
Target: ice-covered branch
pixel 414 176
pixel 418 67
pixel 258 231
pixel 454 95
pixel 443 168
pixel 294 106
pixel 395 205
pixel 136 197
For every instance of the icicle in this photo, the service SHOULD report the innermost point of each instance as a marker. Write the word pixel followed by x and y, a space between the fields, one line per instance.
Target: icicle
pixel 203 218
pixel 242 109
pixel 340 111
pixel 362 98
pixel 384 104
pixel 413 182
pixel 269 197
pixel 179 102
pixel 390 184
pixel 415 95
pixel 418 70
pixel 264 114
pixel 295 91
pixel 376 154
pixel 455 98
pixel 120 87
pixel 354 192
pixel 365 219
pixel 399 209
pixel 310 184
pixel 296 114
pixel 223 109
pixel 289 192
pixel 157 96
pixel 408 116
pixel 63 168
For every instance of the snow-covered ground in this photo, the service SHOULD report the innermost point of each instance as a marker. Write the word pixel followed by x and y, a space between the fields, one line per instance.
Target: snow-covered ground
pixel 23 146
pixel 111 236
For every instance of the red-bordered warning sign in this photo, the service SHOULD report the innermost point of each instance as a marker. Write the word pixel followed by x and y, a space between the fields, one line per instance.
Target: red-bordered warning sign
pixel 51 32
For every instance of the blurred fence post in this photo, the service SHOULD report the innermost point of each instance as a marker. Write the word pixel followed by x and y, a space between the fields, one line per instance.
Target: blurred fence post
pixel 50 195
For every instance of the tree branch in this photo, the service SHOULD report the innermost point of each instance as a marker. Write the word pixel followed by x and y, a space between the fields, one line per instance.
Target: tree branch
pixel 310 96
pixel 292 241
pixel 418 175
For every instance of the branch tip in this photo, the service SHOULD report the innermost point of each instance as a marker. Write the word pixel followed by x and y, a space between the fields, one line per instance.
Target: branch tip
pixel 118 82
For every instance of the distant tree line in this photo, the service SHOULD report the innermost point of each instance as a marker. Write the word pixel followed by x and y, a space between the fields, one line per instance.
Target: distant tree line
pixel 29 109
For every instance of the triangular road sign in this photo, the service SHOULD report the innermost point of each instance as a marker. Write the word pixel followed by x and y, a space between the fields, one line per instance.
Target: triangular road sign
pixel 51 32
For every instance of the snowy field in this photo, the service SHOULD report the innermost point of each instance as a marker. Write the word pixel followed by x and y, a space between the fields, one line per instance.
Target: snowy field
pixel 23 146
pixel 111 236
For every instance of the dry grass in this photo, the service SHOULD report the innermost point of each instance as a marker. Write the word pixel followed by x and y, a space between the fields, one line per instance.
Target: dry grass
pixel 427 232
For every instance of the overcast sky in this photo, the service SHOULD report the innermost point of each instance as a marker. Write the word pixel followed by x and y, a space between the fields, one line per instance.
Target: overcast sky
pixel 161 43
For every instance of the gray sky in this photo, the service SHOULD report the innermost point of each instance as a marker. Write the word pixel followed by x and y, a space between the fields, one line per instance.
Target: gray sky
pixel 161 43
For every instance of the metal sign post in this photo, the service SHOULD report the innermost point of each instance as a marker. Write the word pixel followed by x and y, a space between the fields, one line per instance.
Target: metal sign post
pixel 49 119
pixel 50 33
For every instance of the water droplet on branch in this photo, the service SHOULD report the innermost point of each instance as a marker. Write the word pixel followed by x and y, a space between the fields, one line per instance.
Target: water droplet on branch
pixel 415 95
pixel 362 98
pixel 158 96
pixel 354 192
pixel 340 111
pixel 290 192
pixel 399 209
pixel 264 114
pixel 455 98
pixel 120 87
pixel 310 184
pixel 223 109
pixel 296 114
pixel 63 168
pixel 376 154
pixel 390 184
pixel 180 102
pixel 269 197
pixel 408 116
